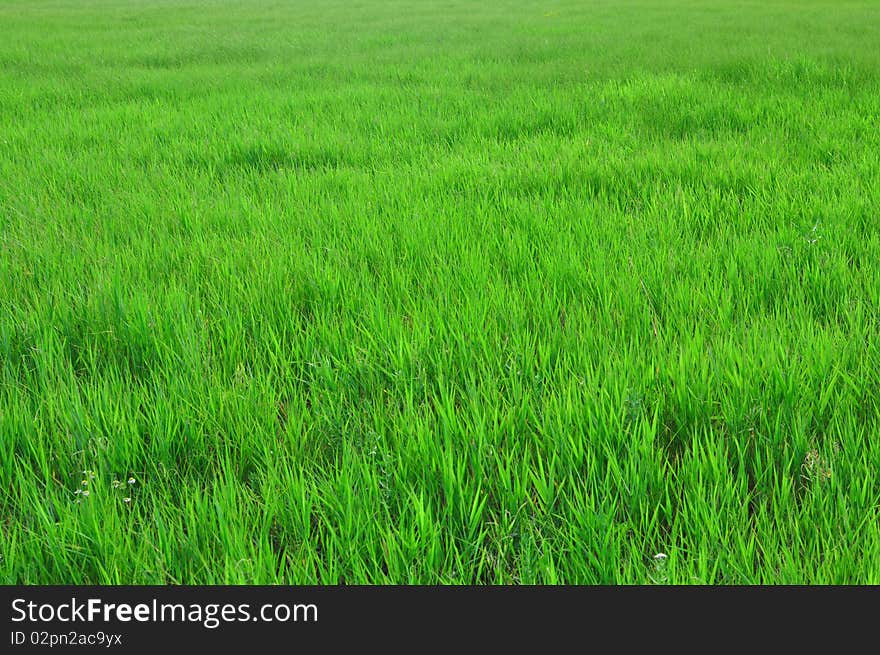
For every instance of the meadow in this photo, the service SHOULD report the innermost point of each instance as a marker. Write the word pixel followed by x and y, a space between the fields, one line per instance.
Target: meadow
pixel 405 291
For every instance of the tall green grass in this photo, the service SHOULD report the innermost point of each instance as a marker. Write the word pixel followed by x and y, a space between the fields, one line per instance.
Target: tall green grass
pixel 456 292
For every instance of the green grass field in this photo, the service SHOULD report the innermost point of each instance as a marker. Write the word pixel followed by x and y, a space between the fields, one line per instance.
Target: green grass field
pixel 440 291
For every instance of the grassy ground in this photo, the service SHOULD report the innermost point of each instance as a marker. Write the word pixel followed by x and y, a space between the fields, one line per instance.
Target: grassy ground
pixel 460 291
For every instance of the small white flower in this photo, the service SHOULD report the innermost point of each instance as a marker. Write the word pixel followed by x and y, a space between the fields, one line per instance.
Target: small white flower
pixel 131 481
pixel 126 500
pixel 85 493
pixel 660 556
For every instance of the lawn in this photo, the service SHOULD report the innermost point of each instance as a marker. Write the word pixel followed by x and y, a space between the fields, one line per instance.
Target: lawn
pixel 502 292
